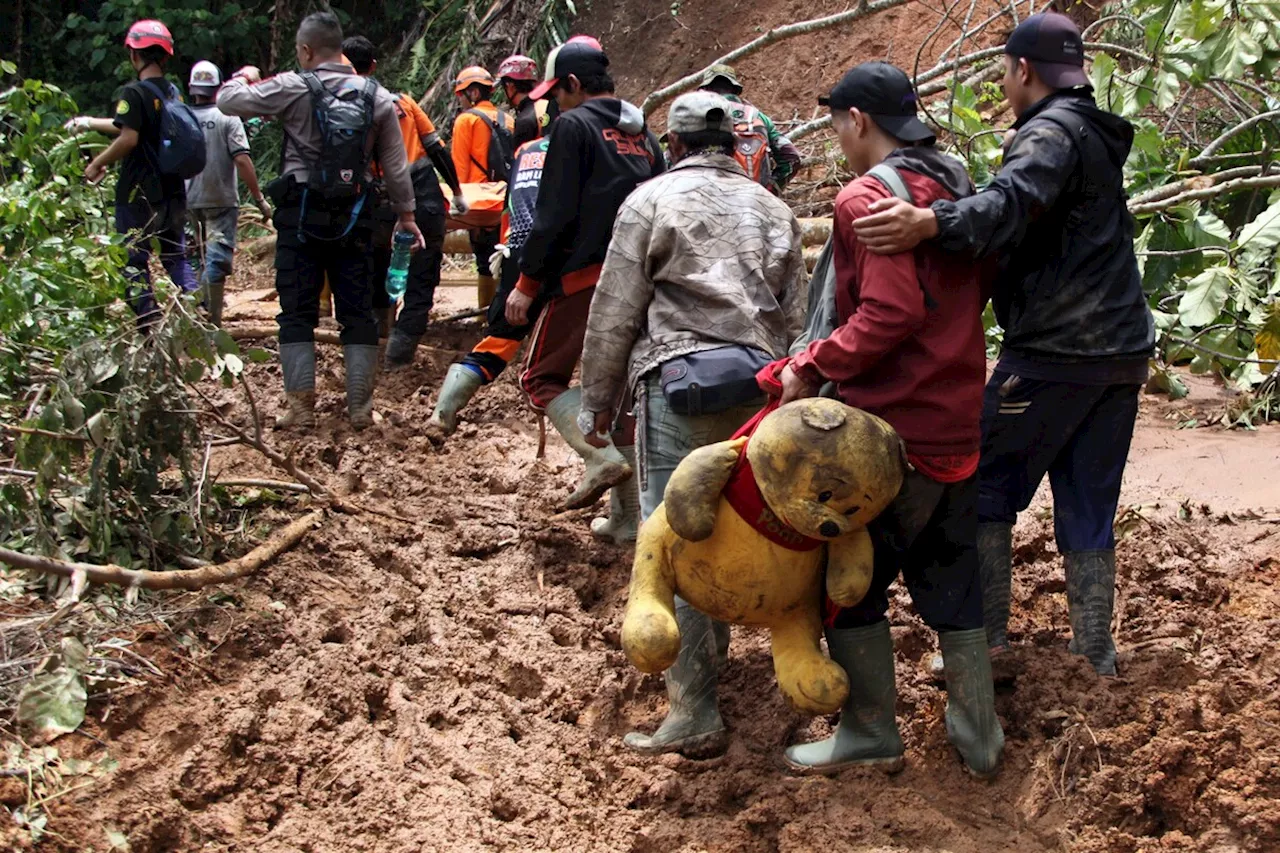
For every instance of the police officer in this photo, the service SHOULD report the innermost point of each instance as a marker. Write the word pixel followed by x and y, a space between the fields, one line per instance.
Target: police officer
pixel 317 236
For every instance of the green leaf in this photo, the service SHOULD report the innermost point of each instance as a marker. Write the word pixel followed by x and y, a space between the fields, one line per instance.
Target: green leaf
pixel 52 704
pixel 257 355
pixel 1259 238
pixel 1165 381
pixel 1206 295
pixel 1268 338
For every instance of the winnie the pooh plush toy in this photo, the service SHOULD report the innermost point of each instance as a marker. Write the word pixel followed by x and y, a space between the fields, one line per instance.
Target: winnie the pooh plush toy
pixel 742 534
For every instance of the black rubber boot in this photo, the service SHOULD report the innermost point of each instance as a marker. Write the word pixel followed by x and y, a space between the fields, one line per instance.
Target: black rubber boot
pixel 693 726
pixel 1091 596
pixel 995 567
pixel 867 735
pixel 972 725
pixel 401 349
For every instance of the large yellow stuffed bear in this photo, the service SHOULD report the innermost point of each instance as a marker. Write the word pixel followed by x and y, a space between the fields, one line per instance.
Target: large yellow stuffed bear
pixel 743 530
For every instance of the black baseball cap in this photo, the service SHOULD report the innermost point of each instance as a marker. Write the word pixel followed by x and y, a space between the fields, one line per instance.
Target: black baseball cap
pixel 580 57
pixel 1052 44
pixel 883 92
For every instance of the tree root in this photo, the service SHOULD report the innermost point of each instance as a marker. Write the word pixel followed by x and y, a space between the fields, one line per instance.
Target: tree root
pixel 188 579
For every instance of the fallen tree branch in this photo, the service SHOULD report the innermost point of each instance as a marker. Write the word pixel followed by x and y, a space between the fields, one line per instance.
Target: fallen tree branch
pixel 864 9
pixel 1194 183
pixel 279 485
pixel 255 333
pixel 62 436
pixel 1235 131
pixel 1207 192
pixel 1222 355
pixel 188 579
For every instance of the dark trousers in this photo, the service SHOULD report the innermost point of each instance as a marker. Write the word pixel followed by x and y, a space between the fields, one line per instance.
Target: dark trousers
pixel 483 242
pixel 303 260
pixel 501 340
pixel 424 272
pixel 556 347
pixel 929 535
pixel 1078 434
pixel 143 222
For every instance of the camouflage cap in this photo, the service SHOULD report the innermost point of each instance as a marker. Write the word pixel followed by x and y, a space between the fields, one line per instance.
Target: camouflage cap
pixel 698 111
pixel 726 71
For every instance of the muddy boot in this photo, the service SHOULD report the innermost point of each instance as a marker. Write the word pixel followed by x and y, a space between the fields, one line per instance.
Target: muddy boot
pixel 401 348
pixel 361 362
pixel 867 735
pixel 606 467
pixel 721 630
pixel 624 508
pixel 693 726
pixel 1091 593
pixel 995 570
pixel 460 384
pixel 972 726
pixel 486 289
pixel 216 294
pixel 298 363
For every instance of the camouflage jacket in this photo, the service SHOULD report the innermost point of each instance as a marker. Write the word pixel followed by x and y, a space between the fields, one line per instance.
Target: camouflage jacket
pixel 701 257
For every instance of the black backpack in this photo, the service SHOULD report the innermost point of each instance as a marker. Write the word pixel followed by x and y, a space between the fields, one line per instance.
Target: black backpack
pixel 502 147
pixel 182 149
pixel 344 120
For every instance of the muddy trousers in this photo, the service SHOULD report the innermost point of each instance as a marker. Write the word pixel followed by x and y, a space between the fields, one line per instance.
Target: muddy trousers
pixel 424 271
pixel 502 340
pixel 556 347
pixel 303 261
pixel 928 536
pixel 142 222
pixel 663 439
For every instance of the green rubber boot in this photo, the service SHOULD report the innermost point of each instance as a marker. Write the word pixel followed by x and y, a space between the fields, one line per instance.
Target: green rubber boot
pixel 693 726
pixel 460 384
pixel 217 296
pixel 298 364
pixel 361 361
pixel 606 467
pixel 972 725
pixel 867 735
pixel 995 570
pixel 1091 599
pixel 624 508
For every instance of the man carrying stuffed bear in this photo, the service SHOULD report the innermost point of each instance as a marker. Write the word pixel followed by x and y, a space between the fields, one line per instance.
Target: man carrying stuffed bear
pixel 908 346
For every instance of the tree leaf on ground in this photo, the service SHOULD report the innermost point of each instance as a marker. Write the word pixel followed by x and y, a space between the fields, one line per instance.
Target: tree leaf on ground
pixel 1165 381
pixel 52 704
pixel 1205 296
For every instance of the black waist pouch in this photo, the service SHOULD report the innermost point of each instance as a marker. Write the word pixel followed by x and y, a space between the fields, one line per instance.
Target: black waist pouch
pixel 714 380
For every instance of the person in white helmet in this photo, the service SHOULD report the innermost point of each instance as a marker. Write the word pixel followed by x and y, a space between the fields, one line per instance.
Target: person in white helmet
pixel 213 200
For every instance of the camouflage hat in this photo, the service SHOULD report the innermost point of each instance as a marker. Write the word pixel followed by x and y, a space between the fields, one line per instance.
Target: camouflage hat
pixel 699 111
pixel 725 71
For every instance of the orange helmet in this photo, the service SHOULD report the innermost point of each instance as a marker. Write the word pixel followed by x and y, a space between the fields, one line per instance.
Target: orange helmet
pixel 471 76
pixel 149 34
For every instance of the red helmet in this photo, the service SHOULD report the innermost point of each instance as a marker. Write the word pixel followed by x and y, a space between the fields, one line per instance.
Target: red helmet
pixel 149 34
pixel 591 41
pixel 518 67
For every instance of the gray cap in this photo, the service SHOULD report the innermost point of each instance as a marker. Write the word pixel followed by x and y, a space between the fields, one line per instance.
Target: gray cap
pixel 698 111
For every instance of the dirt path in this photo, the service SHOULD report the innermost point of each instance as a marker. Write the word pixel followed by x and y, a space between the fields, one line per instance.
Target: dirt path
pixel 457 683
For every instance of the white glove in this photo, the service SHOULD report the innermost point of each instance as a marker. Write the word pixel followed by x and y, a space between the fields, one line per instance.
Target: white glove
pixel 458 206
pixel 79 124
pixel 500 254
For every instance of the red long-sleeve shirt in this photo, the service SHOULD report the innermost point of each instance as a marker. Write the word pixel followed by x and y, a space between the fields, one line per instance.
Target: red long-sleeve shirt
pixel 910 346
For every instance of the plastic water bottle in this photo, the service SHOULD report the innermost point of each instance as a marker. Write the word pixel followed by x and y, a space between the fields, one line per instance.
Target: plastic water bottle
pixel 398 272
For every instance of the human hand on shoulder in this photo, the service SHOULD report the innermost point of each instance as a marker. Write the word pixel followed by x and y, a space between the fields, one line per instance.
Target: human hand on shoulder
pixel 249 73
pixel 893 225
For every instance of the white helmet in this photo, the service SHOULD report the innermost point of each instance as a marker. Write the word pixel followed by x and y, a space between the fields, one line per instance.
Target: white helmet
pixel 205 78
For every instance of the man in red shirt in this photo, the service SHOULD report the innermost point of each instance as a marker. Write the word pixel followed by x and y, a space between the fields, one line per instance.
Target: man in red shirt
pixel 908 346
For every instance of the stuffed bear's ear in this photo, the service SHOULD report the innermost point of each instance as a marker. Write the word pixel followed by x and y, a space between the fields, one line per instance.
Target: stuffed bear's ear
pixel 693 492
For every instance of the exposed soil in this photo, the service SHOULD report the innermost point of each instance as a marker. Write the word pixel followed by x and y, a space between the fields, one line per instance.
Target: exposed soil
pixel 455 682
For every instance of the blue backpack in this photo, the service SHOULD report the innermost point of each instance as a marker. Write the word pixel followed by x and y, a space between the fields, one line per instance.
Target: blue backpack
pixel 181 152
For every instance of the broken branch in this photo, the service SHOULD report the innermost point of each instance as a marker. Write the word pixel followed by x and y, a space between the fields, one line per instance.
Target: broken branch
pixel 188 579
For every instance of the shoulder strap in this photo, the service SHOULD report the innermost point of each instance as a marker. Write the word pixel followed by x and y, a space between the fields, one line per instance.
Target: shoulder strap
pixel 155 87
pixel 318 91
pixel 484 118
pixel 888 175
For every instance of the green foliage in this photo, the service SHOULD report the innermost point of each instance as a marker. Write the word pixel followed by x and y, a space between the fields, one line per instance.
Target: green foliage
pixel 99 413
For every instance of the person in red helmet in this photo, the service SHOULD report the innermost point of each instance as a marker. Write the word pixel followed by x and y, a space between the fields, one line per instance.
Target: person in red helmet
pixel 518 75
pixel 149 204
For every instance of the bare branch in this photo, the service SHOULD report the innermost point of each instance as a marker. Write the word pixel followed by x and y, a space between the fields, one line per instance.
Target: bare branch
pixel 1235 131
pixel 1207 192
pixel 183 579
pixel 864 9
pixel 1195 183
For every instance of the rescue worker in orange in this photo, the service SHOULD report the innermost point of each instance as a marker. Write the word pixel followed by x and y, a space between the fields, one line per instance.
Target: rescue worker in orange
pixel 483 140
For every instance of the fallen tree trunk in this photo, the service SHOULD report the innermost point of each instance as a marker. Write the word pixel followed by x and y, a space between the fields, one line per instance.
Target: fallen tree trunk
pixel 188 579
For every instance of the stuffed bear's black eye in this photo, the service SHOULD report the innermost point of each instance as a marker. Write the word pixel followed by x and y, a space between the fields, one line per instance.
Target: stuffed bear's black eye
pixel 824 497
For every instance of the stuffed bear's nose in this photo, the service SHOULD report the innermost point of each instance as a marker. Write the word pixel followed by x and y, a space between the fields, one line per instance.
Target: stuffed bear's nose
pixel 829 529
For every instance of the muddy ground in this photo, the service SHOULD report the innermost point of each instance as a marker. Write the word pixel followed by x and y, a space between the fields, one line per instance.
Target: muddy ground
pixel 455 682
